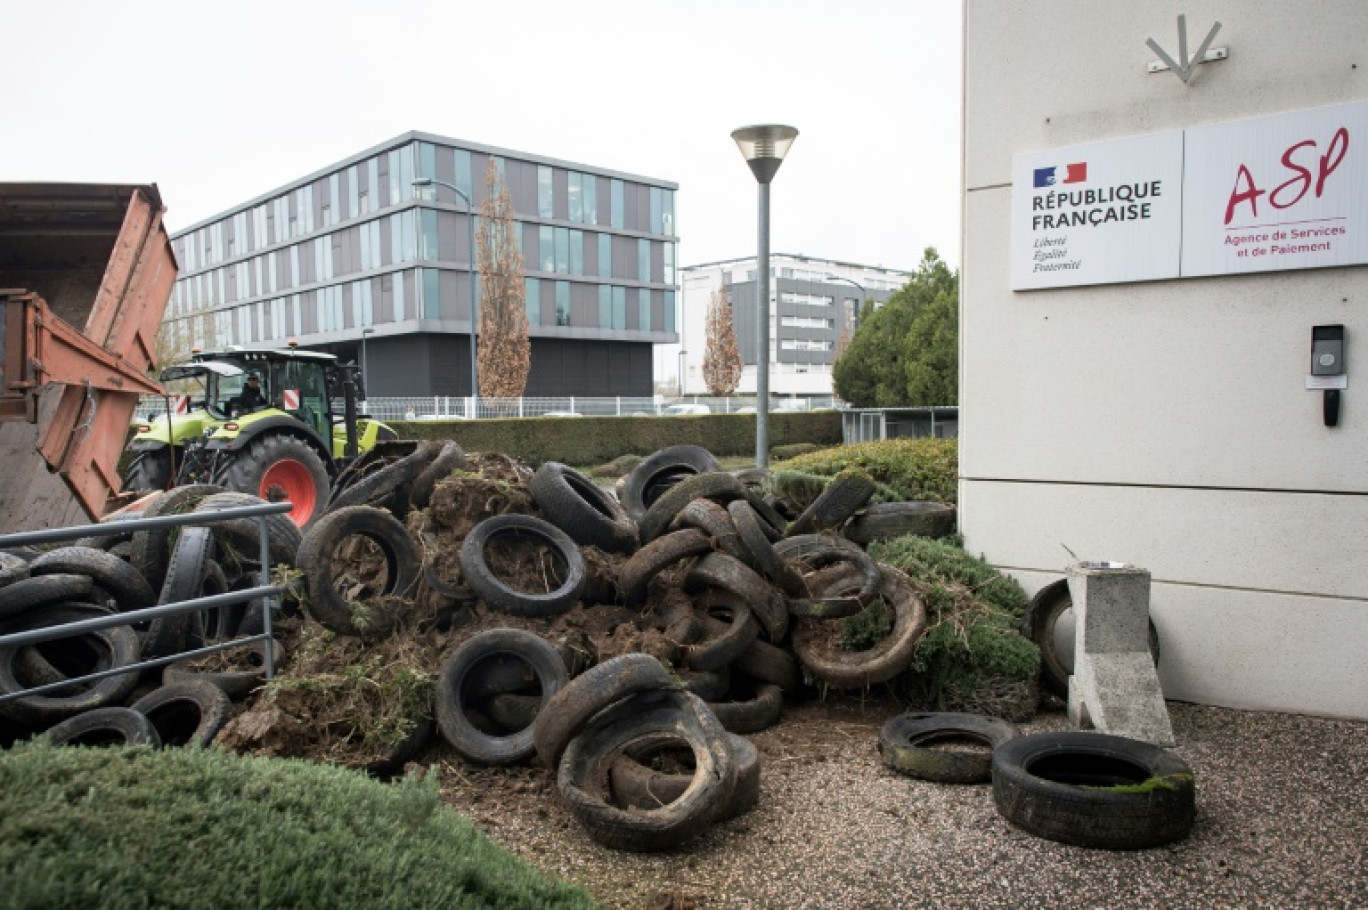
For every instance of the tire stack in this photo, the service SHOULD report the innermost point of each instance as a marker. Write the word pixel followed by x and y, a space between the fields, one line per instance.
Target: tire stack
pixel 100 575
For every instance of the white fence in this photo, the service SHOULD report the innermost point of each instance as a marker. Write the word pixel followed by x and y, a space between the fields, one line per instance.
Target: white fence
pixel 451 407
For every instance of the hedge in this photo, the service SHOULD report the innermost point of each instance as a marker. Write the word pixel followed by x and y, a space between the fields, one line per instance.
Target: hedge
pixel 595 440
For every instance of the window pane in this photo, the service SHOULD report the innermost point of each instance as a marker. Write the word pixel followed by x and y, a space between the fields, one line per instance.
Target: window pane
pixel 562 303
pixel 546 240
pixel 576 197
pixel 669 311
pixel 605 255
pixel 644 309
pixel 605 306
pixel 615 200
pixel 545 207
pixel 429 238
pixel 426 167
pixel 463 172
pixel 432 303
pixel 619 308
pixel 577 252
pixel 590 193
pixel 562 250
pixel 657 210
pixel 669 222
pixel 643 260
pixel 669 263
pixel 399 315
pixel 532 300
pixel 353 192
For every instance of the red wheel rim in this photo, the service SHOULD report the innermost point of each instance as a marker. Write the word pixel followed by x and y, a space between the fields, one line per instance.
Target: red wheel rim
pixel 290 480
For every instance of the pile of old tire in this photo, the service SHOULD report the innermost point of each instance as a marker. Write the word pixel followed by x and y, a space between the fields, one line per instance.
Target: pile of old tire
pixel 603 731
pixel 107 574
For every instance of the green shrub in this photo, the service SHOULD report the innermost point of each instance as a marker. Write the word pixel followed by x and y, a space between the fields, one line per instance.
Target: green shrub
pixel 973 657
pixel 780 453
pixel 596 440
pixel 619 466
pixel 124 828
pixel 796 490
pixel 909 469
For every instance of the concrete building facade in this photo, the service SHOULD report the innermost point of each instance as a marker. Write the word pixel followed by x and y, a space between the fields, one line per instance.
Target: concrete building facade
pixel 813 303
pixel 1163 412
pixel 356 253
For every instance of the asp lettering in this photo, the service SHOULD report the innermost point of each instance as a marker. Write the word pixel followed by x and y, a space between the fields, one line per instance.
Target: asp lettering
pixel 1308 172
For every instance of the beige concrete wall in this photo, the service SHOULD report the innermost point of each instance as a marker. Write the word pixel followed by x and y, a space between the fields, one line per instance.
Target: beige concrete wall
pixel 1167 423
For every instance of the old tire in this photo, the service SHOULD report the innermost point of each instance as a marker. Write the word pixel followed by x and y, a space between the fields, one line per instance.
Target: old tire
pixel 1094 790
pixel 679 461
pixel 843 496
pixel 111 726
pixel 279 468
pixel 576 505
pixel 451 699
pixel 500 596
pixel 657 556
pixel 318 554
pixel 450 458
pixel 185 580
pixel 566 712
pixel 583 771
pixel 241 537
pixel 720 488
pixel 150 550
pixel 236 684
pixel 189 713
pixel 906 745
pixel 148 471
pixel 390 486
pixel 34 592
pixel 884 521
pixel 124 583
pixel 758 708
pixel 883 661
pixel 636 785
pixel 1049 623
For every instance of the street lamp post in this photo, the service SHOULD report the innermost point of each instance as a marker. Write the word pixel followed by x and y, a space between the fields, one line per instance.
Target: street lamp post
pixel 764 148
pixel 863 296
pixel 682 355
pixel 470 211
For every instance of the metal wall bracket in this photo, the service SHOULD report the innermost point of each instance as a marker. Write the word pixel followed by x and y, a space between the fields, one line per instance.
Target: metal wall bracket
pixel 1185 67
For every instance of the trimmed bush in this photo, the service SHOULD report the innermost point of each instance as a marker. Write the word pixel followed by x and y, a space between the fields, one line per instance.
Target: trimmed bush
pixel 973 657
pixel 597 440
pixel 908 469
pixel 120 827
pixel 780 453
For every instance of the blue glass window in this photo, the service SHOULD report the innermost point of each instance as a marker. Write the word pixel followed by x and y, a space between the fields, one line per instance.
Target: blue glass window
pixel 668 219
pixel 669 311
pixel 576 197
pixel 605 306
pixel 545 203
pixel 605 255
pixel 615 193
pixel 430 292
pixel 562 303
pixel 657 211
pixel 589 187
pixel 546 241
pixel 532 300
pixel 463 172
pixel 429 235
pixel 576 252
pixel 643 260
pixel 563 250
pixel 644 309
pixel 619 308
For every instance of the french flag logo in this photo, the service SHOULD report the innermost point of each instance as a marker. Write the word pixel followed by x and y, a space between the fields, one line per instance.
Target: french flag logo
pixel 1073 173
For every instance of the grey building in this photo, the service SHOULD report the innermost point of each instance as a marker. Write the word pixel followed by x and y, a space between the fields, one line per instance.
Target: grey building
pixel 355 260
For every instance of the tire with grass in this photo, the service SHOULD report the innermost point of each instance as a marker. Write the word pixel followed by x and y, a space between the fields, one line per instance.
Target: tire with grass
pixel 451 701
pixel 321 561
pixel 636 785
pixel 583 772
pixel 1052 605
pixel 889 656
pixel 567 711
pixel 189 713
pixel 675 462
pixel 498 594
pixel 576 505
pixel 844 495
pixel 907 744
pixel 402 752
pixel 886 520
pixel 113 726
pixel 116 576
pixel 278 468
pixel 148 471
pixel 111 648
pixel 1094 790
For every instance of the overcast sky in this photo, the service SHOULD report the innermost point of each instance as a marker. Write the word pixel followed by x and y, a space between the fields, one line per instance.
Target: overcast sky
pixel 221 102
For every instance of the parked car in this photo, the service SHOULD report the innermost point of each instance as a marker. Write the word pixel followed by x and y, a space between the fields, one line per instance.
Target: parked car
pixel 676 410
pixel 562 414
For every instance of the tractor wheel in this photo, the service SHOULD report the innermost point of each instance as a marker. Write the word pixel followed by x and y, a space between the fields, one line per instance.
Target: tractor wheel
pixel 279 468
pixel 149 471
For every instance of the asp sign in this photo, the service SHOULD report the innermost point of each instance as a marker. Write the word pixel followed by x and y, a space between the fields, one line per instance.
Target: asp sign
pixel 1270 194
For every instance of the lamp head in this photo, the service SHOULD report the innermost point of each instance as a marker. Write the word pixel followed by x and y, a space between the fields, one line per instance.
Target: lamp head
pixel 764 147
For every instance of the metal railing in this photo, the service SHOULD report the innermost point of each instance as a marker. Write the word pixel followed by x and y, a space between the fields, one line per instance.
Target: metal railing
pixel 455 407
pixel 265 590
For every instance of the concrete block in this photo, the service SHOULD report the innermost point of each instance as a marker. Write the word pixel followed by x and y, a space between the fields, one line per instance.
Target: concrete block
pixel 1115 687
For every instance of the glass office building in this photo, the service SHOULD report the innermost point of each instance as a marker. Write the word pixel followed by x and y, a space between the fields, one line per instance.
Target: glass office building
pixel 355 251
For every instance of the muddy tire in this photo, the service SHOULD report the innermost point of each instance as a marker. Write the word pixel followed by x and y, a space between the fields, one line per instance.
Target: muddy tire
pixel 236 684
pixel 450 458
pixel 657 556
pixel 720 488
pixel 763 661
pixel 761 553
pixel 635 785
pixel 500 596
pixel 736 629
pixel 576 505
pixel 712 519
pixel 718 570
pixel 148 471
pixel 150 550
pixel 319 559
pixel 12 568
pixel 30 594
pixel 1051 608
pixel 278 468
pixel 451 700
pixel 583 772
pixel 880 663
pixel 642 485
pixel 241 536
pixel 884 521
pixel 188 714
pixel 843 496
pixel 758 707
pixel 185 580
pixel 111 726
pixel 389 487
pixel 815 552
pixel 566 712
pixel 907 742
pixel 1094 790
pixel 114 647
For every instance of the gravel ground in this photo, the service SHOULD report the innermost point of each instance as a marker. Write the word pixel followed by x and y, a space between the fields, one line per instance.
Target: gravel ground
pixel 1282 821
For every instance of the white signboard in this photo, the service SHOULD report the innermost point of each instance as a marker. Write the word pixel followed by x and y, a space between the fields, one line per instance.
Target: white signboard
pixel 1099 213
pixel 1283 192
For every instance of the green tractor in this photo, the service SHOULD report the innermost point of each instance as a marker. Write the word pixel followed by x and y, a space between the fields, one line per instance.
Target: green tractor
pixel 260 422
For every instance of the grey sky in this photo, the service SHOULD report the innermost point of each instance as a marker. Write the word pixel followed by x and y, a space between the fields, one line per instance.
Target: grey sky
pixel 220 102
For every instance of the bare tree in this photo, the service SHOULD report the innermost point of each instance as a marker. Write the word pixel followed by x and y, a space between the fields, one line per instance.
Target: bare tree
pixel 721 358
pixel 505 350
